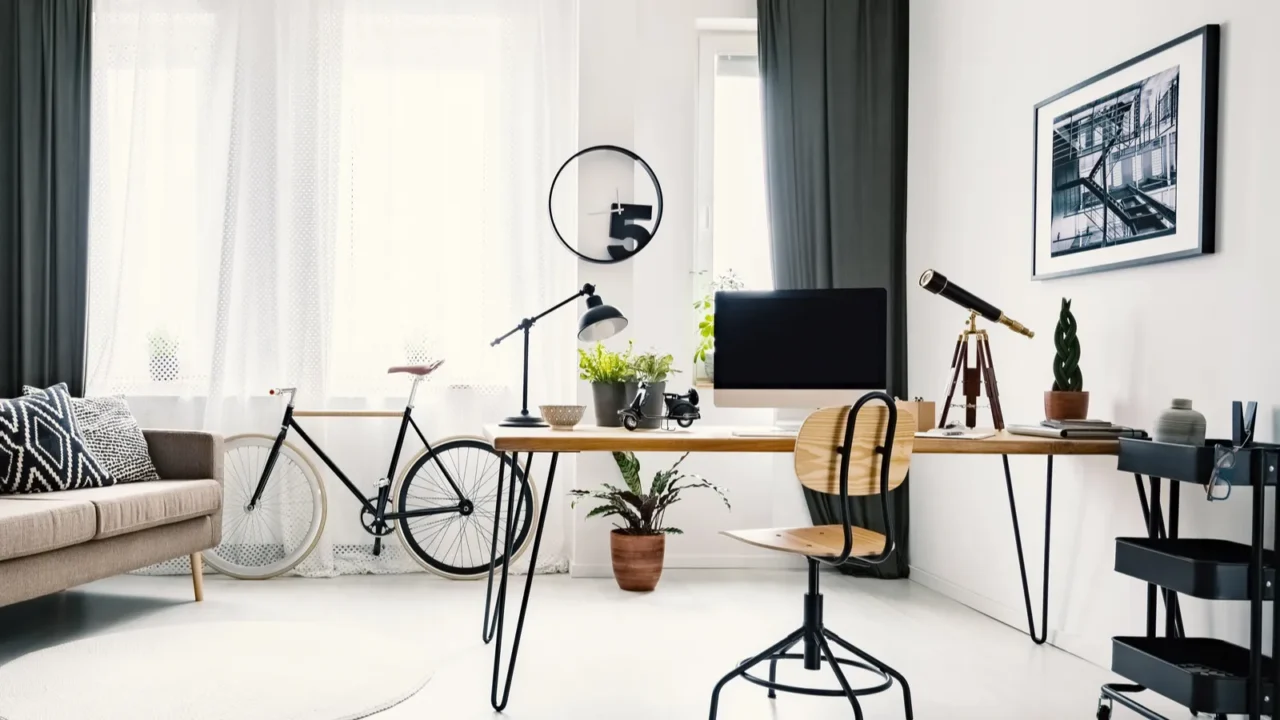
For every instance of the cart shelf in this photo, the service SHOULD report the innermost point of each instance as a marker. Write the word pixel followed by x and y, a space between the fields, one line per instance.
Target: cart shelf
pixel 1193 463
pixel 1205 568
pixel 1206 675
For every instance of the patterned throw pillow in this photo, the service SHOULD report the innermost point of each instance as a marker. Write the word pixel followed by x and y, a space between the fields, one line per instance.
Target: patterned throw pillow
pixel 41 449
pixel 112 435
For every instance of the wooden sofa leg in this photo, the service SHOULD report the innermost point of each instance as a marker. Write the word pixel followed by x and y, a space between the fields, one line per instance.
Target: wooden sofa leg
pixel 197 575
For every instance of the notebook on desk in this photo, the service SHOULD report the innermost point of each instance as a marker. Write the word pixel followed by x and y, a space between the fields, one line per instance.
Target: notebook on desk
pixel 1078 432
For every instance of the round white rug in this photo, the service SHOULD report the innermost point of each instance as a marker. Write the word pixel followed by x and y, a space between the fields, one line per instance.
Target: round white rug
pixel 215 671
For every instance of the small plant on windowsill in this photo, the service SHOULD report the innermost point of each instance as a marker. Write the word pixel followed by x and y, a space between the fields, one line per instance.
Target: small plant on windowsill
pixel 162 351
pixel 638 542
pixel 704 352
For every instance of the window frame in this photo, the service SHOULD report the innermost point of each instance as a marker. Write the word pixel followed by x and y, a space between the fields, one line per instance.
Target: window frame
pixel 714 39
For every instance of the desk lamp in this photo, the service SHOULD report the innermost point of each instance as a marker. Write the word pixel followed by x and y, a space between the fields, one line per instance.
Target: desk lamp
pixel 600 321
pixel 984 371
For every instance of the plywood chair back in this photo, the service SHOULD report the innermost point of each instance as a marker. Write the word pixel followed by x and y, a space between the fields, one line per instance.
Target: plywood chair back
pixel 818 458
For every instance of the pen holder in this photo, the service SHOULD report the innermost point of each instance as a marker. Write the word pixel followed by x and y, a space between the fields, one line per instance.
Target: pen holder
pixel 925 412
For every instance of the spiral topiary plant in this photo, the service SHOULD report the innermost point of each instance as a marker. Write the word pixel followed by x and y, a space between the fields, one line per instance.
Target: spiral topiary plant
pixel 1066 362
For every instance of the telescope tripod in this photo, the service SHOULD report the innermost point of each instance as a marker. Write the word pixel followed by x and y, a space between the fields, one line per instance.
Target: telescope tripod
pixel 973 378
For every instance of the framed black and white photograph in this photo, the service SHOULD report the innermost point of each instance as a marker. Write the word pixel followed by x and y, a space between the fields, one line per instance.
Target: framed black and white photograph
pixel 1126 162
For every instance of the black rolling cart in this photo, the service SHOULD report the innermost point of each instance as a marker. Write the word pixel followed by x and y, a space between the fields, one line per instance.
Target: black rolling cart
pixel 1207 675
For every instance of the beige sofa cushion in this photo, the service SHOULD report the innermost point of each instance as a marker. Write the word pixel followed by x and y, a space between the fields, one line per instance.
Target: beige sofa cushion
pixel 138 506
pixel 32 528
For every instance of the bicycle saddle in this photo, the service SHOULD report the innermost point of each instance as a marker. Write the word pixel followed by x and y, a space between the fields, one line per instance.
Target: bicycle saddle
pixel 420 370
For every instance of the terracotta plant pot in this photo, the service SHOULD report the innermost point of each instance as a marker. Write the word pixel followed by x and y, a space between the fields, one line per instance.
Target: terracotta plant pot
pixel 637 560
pixel 1064 405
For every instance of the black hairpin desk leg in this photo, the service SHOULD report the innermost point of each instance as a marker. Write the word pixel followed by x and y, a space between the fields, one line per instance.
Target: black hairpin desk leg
pixel 500 610
pixel 488 628
pixel 1022 565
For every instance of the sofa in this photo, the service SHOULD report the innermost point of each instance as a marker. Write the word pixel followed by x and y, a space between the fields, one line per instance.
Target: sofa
pixel 57 540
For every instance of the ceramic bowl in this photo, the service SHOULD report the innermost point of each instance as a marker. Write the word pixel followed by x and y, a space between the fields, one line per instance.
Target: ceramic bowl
pixel 562 417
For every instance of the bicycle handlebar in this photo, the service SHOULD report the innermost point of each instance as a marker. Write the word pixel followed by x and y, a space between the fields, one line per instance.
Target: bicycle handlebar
pixel 290 391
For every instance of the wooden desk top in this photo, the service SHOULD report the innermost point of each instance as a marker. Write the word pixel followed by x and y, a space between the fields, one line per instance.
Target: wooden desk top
pixel 703 438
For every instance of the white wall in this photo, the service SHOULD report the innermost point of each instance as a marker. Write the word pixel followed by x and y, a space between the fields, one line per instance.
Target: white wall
pixel 1191 328
pixel 638 88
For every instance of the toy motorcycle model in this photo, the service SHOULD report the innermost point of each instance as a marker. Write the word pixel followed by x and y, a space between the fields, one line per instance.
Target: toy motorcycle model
pixel 683 409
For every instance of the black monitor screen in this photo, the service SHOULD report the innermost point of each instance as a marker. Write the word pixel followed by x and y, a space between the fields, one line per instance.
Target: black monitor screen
pixel 802 340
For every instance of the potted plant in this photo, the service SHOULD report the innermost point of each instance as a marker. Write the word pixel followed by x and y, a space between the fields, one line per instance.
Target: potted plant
pixel 608 372
pixel 162 349
pixel 652 369
pixel 1066 401
pixel 417 348
pixel 704 355
pixel 638 543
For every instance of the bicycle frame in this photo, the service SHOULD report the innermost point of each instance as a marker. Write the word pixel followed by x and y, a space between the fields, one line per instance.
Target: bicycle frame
pixel 376 506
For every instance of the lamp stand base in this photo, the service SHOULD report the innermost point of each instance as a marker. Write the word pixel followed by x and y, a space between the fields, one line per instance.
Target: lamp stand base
pixel 523 421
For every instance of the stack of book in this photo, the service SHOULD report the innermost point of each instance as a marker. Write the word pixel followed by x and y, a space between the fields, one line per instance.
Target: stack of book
pixel 1078 429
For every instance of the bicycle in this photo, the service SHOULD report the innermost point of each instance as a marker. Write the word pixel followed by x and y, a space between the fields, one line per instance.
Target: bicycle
pixel 445 509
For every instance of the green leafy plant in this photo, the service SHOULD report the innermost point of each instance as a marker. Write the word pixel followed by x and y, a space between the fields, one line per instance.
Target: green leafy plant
pixel 644 513
pixel 1066 361
pixel 160 343
pixel 651 367
pixel 602 365
pixel 706 309
pixel 162 349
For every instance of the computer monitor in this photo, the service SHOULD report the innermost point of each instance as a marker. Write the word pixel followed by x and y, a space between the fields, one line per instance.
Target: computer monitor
pixel 800 348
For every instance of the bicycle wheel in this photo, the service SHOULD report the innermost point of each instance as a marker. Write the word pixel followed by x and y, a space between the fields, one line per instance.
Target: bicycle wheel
pixel 457 544
pixel 283 528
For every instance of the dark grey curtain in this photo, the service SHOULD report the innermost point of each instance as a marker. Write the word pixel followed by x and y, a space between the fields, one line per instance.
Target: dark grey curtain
pixel 834 74
pixel 44 191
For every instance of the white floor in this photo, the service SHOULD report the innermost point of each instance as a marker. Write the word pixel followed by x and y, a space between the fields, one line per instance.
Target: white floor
pixel 593 652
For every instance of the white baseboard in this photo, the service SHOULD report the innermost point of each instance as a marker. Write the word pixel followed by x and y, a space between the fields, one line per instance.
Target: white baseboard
pixel 1014 617
pixel 698 562
pixel 1093 650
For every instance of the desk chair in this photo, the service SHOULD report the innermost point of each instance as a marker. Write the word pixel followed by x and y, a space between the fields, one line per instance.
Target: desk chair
pixel 838 452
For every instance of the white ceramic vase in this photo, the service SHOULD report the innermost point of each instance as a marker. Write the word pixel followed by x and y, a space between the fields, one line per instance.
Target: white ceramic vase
pixel 1180 424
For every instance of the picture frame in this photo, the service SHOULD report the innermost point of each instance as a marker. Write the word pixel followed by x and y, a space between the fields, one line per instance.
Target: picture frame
pixel 1124 168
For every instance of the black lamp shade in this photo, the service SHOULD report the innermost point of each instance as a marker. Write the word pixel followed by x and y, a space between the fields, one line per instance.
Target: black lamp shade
pixel 600 321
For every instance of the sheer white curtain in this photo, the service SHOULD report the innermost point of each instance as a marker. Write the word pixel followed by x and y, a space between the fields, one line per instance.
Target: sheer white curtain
pixel 304 192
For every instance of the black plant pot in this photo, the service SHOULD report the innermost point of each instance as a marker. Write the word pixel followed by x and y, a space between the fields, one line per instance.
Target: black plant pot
pixel 653 408
pixel 164 368
pixel 609 398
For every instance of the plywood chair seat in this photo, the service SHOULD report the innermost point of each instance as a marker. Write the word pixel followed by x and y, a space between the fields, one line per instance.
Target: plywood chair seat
pixel 814 541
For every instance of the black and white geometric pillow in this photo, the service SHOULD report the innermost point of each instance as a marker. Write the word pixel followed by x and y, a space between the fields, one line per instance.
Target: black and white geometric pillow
pixel 112 435
pixel 41 449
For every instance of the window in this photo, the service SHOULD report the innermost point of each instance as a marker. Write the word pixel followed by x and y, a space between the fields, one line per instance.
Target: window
pixel 371 196
pixel 733 230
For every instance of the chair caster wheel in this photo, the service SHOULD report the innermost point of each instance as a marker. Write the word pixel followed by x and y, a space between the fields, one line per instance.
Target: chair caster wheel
pixel 1104 712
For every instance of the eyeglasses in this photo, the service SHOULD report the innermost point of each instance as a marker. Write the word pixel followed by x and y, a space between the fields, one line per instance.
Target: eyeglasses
pixel 1224 459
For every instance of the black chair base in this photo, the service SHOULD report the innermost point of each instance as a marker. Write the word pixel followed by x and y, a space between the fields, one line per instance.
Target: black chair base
pixel 816 647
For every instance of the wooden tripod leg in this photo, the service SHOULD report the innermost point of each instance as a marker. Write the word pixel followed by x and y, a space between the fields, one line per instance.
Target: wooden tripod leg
pixel 993 392
pixel 958 360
